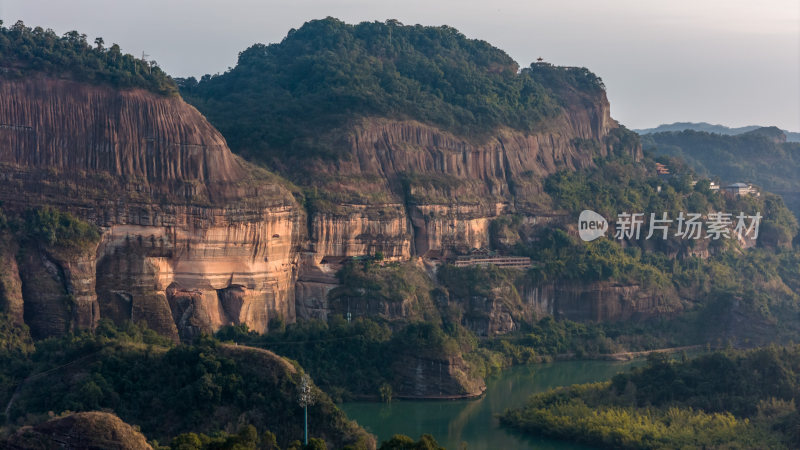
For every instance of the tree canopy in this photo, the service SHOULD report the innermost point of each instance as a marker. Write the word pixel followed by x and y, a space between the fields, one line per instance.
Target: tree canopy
pixel 24 50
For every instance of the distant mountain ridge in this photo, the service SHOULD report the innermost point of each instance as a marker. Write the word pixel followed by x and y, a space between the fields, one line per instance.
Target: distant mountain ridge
pixel 712 128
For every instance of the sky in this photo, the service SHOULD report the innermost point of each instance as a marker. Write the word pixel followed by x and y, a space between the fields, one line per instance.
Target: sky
pixel 730 62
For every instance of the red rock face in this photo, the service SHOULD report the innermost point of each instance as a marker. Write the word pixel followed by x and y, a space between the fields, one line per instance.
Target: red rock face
pixel 411 189
pixel 601 301
pixel 176 209
pixel 134 134
pixel 415 188
pixel 194 238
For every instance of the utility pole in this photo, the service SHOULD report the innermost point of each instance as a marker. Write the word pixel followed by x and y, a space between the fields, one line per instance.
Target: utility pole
pixel 305 398
pixel 144 60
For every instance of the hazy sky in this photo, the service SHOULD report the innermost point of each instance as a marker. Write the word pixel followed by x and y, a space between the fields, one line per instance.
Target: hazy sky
pixel 732 62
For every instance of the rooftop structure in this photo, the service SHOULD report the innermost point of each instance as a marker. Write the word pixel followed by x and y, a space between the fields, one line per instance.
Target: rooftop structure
pixel 510 262
pixel 741 189
pixel 662 170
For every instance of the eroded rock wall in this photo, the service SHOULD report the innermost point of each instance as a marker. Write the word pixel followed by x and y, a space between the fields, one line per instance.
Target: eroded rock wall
pixel 403 188
pixel 58 289
pixel 72 126
pixel 601 301
pixel 202 277
pixel 356 230
pixel 192 237
pixel 443 377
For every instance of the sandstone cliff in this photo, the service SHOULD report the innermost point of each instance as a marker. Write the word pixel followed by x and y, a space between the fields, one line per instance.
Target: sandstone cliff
pixel 508 302
pixel 409 189
pixel 193 238
pixel 135 135
pixel 58 289
pixel 601 301
pixel 415 188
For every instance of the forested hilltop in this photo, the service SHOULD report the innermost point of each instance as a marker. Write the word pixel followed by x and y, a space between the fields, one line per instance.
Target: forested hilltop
pixel 26 51
pixel 280 98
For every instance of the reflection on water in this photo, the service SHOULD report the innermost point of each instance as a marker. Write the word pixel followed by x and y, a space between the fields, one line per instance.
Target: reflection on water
pixel 472 423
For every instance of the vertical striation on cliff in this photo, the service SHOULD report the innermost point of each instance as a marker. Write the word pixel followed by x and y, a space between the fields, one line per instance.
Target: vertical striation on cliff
pixel 193 237
pixel 432 192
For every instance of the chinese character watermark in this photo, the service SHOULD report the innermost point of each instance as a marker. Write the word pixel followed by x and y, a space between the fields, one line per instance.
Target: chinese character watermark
pixel 713 226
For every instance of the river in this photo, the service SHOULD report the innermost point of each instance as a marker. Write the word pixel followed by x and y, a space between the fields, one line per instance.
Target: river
pixel 473 422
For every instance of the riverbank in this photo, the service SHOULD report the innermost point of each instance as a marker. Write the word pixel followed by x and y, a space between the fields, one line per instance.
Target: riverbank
pixel 474 421
pixel 564 357
pixel 629 356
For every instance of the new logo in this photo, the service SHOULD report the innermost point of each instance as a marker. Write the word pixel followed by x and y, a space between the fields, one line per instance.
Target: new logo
pixel 591 225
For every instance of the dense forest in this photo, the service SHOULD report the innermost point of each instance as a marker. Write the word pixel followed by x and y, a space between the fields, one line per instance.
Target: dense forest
pixel 165 389
pixel 730 399
pixel 281 99
pixel 25 50
pixel 203 396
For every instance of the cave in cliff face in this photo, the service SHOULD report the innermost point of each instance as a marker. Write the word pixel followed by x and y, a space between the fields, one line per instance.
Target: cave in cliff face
pixel 129 286
pixel 195 281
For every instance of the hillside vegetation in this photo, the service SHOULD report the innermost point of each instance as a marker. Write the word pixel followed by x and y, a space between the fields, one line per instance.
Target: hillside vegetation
pixel 168 390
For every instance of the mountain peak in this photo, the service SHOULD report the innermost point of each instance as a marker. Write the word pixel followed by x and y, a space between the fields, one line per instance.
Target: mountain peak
pixel 774 134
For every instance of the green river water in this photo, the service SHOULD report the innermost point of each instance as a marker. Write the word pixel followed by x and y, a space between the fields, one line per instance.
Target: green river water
pixel 473 422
